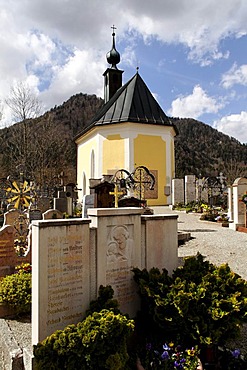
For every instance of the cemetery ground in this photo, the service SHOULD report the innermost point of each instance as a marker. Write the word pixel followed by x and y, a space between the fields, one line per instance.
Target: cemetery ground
pixel 218 244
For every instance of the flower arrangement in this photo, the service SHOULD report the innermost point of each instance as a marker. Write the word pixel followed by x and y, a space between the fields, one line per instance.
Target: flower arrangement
pixel 170 357
pixel 20 245
pixel 24 267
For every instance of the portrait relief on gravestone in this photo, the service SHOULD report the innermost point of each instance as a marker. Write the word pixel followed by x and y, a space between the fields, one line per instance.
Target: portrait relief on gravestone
pixel 120 244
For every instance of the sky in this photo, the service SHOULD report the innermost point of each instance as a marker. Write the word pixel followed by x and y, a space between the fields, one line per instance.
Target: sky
pixel 192 54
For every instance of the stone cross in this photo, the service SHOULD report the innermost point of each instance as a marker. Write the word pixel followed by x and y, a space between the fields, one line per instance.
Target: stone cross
pixel 116 194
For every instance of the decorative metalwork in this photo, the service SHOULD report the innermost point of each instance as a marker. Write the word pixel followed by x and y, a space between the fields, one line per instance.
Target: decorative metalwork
pixel 21 226
pixel 21 194
pixel 136 182
pixel 215 187
pixel 143 180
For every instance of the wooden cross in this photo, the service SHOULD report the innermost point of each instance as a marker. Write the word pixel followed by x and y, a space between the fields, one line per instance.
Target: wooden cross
pixel 116 194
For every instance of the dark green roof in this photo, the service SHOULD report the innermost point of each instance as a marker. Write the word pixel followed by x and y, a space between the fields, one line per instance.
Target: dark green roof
pixel 133 102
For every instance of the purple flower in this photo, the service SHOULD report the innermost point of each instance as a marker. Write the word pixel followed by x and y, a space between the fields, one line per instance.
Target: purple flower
pixel 178 365
pixel 236 353
pixel 165 355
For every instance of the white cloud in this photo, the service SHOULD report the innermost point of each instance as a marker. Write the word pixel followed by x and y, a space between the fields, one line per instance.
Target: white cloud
pixel 233 125
pixel 195 104
pixel 236 75
pixel 198 25
pixel 76 75
pixel 61 45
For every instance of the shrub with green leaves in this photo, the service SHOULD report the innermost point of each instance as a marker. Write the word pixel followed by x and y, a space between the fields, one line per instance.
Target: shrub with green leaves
pixel 15 289
pixel 104 301
pixel 201 303
pixel 98 342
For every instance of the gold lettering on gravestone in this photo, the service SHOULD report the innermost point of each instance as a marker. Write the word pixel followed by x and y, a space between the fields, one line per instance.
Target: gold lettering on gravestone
pixel 6 250
pixel 65 279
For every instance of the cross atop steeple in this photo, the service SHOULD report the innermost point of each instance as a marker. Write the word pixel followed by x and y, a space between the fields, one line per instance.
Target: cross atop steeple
pixel 113 76
pixel 114 28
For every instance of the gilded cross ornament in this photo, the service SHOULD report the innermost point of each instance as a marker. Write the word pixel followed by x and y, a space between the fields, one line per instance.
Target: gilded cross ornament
pixel 116 194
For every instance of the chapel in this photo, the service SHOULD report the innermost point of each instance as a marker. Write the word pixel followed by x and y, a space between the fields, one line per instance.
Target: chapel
pixel 130 130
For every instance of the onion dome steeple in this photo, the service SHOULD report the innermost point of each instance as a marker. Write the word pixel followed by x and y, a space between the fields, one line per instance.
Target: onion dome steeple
pixel 113 76
pixel 113 56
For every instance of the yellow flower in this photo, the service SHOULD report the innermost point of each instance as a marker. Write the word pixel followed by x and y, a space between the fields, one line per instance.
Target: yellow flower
pixel 191 352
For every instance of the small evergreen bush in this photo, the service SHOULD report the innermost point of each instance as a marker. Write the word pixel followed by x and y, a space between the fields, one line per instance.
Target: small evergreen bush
pixel 200 304
pixel 15 289
pixel 104 301
pixel 98 342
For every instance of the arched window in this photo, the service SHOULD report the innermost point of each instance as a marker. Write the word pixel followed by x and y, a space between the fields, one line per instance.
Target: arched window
pixel 92 174
pixel 84 184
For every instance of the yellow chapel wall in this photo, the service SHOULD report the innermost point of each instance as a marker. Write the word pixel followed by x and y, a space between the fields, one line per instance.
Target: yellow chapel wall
pixel 84 151
pixel 150 151
pixel 113 155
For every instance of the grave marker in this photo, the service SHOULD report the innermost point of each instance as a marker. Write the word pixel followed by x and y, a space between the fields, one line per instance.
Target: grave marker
pixel 87 202
pixel 62 265
pixel 8 257
pixel 52 214
pixel 35 214
pixel 118 250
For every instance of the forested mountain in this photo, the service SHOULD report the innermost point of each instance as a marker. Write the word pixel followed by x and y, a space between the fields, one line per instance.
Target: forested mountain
pixel 200 149
pixel 50 147
pixel 44 147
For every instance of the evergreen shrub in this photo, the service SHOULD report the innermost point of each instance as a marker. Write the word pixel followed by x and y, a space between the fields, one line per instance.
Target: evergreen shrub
pixel 15 289
pixel 98 342
pixel 200 304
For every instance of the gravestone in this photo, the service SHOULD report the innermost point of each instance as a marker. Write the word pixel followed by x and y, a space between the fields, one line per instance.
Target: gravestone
pixel 118 250
pixel 8 257
pixel 88 201
pixel 52 214
pixel 60 202
pixel 177 191
pixel 62 265
pixel 20 223
pixel 239 188
pixel 190 188
pixel 11 217
pixel 35 214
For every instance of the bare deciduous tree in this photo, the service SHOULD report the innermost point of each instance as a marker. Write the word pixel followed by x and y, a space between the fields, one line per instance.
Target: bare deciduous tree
pixel 24 106
pixel 23 103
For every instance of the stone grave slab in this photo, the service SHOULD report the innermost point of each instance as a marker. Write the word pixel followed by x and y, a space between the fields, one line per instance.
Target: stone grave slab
pixel 8 257
pixel 118 250
pixel 87 202
pixel 61 275
pixel 52 214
